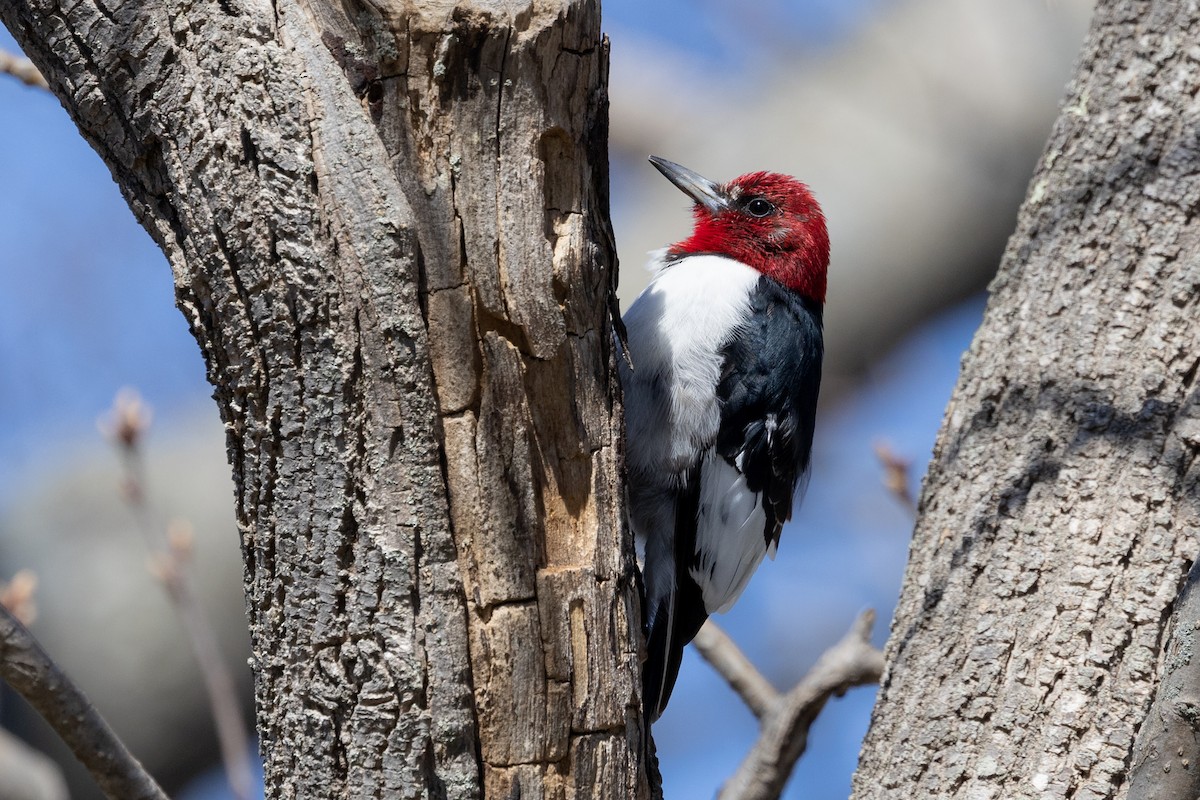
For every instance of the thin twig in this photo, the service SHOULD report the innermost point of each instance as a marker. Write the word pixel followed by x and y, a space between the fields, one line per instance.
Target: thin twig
pixel 851 662
pixel 26 667
pixel 895 475
pixel 731 664
pixel 22 69
pixel 125 427
pixel 222 692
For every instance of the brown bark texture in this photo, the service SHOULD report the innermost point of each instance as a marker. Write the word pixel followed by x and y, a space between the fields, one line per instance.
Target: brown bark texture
pixel 388 226
pixel 1166 755
pixel 1059 516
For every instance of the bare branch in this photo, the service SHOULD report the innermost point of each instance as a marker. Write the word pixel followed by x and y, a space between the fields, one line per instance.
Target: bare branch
pixel 125 426
pixel 731 664
pixel 26 667
pixel 851 662
pixel 895 475
pixel 22 69
pixel 171 570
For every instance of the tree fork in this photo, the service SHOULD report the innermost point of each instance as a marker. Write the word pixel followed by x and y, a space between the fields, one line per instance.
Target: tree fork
pixel 388 227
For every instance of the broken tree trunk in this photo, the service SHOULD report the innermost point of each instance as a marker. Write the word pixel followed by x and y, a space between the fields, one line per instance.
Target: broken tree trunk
pixel 388 226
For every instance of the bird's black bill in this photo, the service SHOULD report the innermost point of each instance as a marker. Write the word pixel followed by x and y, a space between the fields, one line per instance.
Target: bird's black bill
pixel 693 184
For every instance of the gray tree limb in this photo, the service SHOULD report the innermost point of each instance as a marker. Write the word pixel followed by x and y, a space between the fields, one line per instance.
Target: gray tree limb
pixel 787 718
pixel 723 654
pixel 1057 522
pixel 26 667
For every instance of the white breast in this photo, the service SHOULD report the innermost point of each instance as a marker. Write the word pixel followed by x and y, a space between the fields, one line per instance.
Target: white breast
pixel 677 327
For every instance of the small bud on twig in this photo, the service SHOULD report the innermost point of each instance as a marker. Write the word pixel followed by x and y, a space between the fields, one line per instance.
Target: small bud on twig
pixel 17 596
pixel 22 69
pixel 128 419
pixel 895 474
pixel 180 539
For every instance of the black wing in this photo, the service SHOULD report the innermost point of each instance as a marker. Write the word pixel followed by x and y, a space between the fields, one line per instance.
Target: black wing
pixel 768 389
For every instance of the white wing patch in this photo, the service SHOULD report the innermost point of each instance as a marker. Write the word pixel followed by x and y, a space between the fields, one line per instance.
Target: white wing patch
pixel 730 539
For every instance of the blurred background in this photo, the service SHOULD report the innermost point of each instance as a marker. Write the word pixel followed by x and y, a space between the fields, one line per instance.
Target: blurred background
pixel 916 122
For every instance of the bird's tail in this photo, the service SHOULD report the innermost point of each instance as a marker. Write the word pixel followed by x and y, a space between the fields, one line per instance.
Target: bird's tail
pixel 675 605
pixel 674 621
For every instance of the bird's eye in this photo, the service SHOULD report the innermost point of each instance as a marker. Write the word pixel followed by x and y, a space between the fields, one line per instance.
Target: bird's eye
pixel 759 207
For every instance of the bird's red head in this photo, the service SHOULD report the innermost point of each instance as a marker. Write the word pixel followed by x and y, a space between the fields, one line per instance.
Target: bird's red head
pixel 766 220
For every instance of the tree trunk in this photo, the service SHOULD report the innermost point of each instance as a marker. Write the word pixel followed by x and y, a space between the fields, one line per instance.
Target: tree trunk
pixel 1059 516
pixel 388 225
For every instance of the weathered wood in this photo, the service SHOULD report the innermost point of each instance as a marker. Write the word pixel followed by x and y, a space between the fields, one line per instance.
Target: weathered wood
pixel 388 227
pixel 1059 515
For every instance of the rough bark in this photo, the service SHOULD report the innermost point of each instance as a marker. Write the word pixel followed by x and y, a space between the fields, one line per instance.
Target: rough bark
pixel 1166 756
pixel 1059 515
pixel 387 222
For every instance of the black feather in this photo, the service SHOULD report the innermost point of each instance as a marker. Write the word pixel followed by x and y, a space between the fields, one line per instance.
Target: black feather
pixel 768 390
pixel 670 629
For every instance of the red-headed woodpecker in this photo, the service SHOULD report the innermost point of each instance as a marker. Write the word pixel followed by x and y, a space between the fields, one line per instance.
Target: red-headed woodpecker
pixel 720 399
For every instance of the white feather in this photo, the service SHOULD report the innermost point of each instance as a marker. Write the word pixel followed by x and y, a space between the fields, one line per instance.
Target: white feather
pixel 677 327
pixel 730 534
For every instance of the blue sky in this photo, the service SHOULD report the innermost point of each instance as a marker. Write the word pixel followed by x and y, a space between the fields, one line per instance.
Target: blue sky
pixel 86 298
